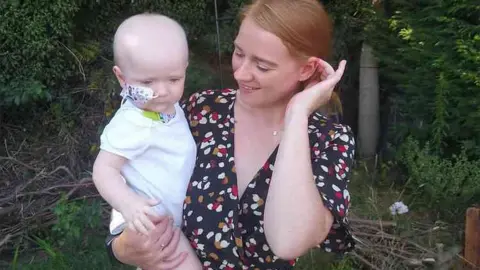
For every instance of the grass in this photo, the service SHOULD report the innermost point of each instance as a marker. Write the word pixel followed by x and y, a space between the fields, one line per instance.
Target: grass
pixel 50 257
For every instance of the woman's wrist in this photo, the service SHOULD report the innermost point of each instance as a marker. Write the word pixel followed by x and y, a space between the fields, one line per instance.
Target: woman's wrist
pixel 295 119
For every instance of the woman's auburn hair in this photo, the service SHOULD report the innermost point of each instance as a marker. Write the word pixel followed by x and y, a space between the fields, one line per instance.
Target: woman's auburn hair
pixel 303 26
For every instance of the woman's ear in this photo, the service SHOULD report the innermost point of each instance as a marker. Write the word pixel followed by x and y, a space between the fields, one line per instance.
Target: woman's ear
pixel 120 77
pixel 308 69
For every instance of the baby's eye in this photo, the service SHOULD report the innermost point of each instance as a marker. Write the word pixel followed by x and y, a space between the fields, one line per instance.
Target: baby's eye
pixel 147 82
pixel 174 80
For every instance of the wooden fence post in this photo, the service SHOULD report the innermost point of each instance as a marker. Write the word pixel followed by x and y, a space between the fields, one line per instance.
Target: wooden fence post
pixel 472 237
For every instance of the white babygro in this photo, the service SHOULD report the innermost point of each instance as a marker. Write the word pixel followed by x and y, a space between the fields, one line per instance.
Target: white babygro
pixel 161 158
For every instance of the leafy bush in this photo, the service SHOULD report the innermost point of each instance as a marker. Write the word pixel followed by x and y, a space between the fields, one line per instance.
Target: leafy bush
pixel 443 186
pixel 45 45
pixel 74 242
pixel 429 53
pixel 98 20
pixel 34 46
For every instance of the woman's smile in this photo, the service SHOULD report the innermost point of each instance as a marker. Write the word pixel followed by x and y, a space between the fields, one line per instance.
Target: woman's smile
pixel 247 89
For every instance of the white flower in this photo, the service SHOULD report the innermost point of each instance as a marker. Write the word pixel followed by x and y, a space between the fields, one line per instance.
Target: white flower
pixel 398 208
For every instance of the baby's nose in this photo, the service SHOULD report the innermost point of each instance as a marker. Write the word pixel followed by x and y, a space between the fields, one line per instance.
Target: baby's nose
pixel 161 91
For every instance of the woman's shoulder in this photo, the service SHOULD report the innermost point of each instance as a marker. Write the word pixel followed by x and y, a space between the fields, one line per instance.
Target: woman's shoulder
pixel 319 123
pixel 326 130
pixel 209 97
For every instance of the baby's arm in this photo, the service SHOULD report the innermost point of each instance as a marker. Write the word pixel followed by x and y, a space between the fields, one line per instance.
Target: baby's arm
pixel 111 186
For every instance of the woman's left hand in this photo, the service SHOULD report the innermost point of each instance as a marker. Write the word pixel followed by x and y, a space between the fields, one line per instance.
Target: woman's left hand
pixel 316 94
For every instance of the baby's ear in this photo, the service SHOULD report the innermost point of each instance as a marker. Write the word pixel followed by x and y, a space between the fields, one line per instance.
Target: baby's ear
pixel 118 73
pixel 308 69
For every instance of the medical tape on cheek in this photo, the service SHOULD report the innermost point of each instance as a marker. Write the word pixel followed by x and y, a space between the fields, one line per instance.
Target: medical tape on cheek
pixel 138 94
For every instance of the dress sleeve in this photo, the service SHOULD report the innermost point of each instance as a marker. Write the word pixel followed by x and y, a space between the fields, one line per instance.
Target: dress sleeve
pixel 333 153
pixel 188 104
pixel 192 107
pixel 127 134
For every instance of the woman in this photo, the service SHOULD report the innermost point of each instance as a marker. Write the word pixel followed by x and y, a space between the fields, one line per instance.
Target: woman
pixel 265 138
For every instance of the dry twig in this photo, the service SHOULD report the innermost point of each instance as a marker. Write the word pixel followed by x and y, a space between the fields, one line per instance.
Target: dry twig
pixel 43 161
pixel 379 248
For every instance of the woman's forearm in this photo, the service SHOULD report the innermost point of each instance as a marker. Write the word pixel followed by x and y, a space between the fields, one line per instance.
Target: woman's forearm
pixel 295 217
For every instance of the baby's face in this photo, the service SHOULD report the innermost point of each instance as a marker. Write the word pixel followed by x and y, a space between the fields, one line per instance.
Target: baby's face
pixel 163 74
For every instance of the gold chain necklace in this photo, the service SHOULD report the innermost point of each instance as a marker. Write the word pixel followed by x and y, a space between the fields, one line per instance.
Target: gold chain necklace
pixel 274 133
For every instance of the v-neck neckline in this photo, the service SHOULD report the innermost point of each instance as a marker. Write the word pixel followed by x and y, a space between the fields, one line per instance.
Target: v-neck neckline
pixel 270 160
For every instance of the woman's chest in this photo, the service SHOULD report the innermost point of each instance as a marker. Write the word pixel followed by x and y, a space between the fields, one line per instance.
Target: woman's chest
pixel 251 154
pixel 223 211
pixel 222 223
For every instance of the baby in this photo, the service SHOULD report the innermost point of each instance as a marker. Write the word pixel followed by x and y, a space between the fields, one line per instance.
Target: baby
pixel 147 151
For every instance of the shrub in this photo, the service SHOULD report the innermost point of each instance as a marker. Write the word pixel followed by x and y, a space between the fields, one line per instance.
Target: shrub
pixel 34 46
pixel 46 45
pixel 446 187
pixel 429 53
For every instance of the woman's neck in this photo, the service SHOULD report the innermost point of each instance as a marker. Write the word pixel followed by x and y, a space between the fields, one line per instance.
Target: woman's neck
pixel 272 116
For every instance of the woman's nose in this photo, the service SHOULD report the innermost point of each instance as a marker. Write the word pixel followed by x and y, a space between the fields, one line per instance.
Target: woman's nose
pixel 243 73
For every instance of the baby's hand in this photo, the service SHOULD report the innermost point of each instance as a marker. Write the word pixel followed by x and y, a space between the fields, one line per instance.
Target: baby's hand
pixel 136 214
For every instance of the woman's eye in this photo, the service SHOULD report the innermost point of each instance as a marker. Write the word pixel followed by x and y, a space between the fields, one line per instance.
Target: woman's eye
pixel 263 69
pixel 238 54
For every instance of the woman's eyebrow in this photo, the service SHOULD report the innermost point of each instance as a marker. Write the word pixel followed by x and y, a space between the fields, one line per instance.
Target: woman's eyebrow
pixel 258 59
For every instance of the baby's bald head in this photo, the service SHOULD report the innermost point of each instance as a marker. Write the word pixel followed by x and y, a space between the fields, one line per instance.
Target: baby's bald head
pixel 149 39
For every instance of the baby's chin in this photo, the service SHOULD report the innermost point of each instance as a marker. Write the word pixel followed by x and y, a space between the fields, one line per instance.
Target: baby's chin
pixel 159 108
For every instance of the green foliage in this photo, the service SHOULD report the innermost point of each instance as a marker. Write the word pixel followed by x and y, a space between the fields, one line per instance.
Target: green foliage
pixel 73 220
pixel 319 259
pixel 199 76
pixel 350 19
pixel 72 243
pixel 228 14
pixel 429 53
pixel 99 19
pixel 34 39
pixel 443 186
pixel 45 45
pixel 190 13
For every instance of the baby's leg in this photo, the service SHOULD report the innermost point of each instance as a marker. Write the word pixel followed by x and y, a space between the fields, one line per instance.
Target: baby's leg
pixel 191 262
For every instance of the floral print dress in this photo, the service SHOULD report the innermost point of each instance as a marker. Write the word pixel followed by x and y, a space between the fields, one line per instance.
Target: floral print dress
pixel 227 231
